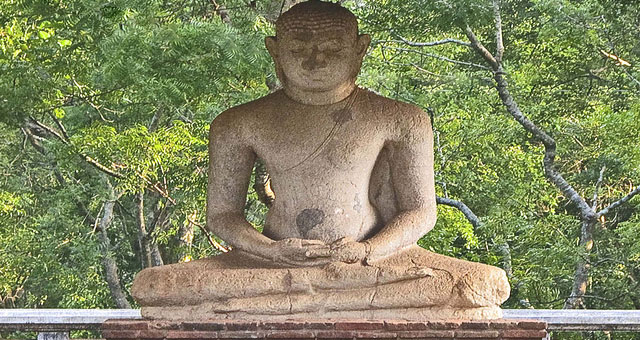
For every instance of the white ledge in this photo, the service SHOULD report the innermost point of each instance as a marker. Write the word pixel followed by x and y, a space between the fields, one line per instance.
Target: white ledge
pixel 66 315
pixel 580 319
pixel 61 319
pixel 76 319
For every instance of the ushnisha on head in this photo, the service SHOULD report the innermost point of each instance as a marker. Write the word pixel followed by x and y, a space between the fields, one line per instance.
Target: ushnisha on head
pixel 317 52
pixel 317 16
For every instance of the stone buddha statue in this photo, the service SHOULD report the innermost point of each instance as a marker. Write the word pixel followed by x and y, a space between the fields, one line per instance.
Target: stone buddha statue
pixel 353 179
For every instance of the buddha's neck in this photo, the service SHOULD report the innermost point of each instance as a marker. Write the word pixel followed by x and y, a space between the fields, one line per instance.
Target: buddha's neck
pixel 320 97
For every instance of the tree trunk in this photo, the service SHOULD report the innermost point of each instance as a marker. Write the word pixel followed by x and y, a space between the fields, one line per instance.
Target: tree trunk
pixel 505 251
pixel 150 253
pixel 109 263
pixel 156 257
pixel 157 218
pixel 143 237
pixel 581 275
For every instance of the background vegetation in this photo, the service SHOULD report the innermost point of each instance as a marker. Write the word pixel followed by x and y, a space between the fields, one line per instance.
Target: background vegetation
pixel 105 107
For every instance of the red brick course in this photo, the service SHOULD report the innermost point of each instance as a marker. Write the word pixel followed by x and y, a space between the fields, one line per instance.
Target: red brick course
pixel 426 334
pixel 402 325
pixel 523 333
pixel 359 325
pixel 532 324
pixel 323 329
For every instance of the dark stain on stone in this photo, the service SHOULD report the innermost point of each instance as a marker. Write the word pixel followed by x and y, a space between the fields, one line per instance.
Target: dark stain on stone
pixel 342 116
pixel 314 61
pixel 308 219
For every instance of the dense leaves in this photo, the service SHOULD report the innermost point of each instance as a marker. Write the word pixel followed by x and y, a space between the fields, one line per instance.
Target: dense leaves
pixel 103 101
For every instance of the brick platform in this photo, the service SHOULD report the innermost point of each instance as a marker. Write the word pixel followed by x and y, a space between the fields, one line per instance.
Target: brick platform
pixel 323 329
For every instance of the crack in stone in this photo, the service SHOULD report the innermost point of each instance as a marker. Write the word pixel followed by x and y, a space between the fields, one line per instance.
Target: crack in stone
pixel 289 285
pixel 373 296
pixel 378 274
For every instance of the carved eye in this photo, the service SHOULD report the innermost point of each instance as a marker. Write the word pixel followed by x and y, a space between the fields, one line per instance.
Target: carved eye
pixel 331 47
pixel 297 50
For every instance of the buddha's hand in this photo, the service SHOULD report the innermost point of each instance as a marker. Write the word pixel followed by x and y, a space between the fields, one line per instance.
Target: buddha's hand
pixel 295 252
pixel 349 251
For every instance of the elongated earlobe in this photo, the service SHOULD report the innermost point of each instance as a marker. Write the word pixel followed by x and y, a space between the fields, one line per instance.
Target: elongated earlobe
pixel 363 44
pixel 272 46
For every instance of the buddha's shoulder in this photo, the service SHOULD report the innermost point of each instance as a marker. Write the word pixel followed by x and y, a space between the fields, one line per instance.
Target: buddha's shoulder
pixel 246 113
pixel 396 110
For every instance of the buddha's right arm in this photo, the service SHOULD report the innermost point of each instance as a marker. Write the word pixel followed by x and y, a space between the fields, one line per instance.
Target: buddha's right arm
pixel 230 164
pixel 231 161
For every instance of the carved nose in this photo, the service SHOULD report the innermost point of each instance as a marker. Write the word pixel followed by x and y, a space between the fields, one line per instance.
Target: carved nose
pixel 315 61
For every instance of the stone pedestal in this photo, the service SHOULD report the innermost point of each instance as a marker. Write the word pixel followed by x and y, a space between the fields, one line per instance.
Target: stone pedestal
pixel 324 329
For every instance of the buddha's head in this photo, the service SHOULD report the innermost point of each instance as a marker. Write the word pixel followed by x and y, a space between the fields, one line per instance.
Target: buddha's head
pixel 317 47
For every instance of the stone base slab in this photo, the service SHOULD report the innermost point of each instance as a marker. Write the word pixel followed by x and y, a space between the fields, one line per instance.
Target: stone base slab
pixel 324 329
pixel 208 311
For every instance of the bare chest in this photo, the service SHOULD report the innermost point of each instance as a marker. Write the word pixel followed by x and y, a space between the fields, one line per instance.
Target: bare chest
pixel 326 139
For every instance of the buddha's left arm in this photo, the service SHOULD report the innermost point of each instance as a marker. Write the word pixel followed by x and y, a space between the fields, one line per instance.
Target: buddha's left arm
pixel 411 162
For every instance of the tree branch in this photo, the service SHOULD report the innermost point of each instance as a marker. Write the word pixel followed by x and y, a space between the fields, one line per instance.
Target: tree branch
pixel 212 242
pixel 433 43
pixel 93 162
pixel 619 202
pixel 417 67
pixel 549 146
pixel 436 56
pixel 484 53
pixel 505 251
pixel 33 139
pixel 499 41
pixel 594 202
pixel 468 213
pixel 549 143
pixel 155 120
pixel 48 129
pixel 61 127
pixel 100 167
pixel 631 76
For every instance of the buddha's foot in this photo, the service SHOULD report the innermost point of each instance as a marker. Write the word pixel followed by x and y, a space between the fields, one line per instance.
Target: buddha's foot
pixel 473 284
pixel 482 286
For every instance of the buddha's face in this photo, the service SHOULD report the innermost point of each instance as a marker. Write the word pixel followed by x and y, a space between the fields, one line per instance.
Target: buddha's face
pixel 318 60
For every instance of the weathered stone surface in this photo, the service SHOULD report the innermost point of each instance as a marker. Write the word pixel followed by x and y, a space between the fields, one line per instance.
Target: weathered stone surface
pixel 325 329
pixel 415 314
pixel 352 174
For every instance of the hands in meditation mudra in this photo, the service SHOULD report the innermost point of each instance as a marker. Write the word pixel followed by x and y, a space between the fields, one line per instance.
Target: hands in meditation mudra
pixel 353 177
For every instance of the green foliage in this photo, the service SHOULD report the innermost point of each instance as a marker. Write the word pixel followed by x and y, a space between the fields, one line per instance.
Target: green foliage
pixel 563 81
pixel 136 84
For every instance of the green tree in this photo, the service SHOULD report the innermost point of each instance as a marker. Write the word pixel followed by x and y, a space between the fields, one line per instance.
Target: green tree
pixel 104 111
